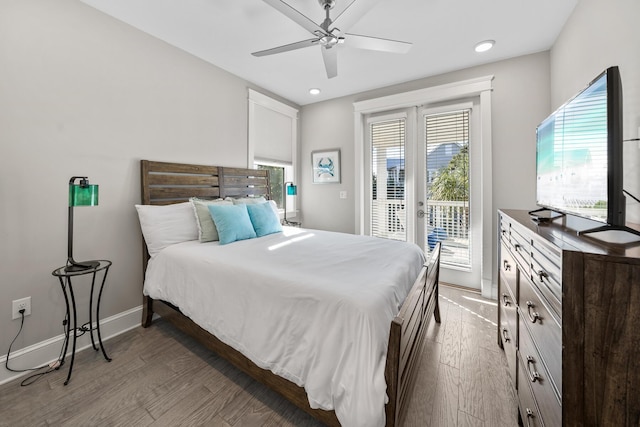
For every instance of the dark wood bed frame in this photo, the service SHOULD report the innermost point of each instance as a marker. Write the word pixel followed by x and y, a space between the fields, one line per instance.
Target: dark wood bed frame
pixel 166 183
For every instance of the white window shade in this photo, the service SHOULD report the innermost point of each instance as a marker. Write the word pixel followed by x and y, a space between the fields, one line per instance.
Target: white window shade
pixel 273 130
pixel 274 141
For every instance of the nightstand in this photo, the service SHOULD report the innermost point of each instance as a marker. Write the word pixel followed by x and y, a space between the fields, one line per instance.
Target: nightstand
pixel 67 289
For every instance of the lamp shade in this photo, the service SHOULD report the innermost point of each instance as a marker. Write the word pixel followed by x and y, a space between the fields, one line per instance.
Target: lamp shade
pixel 292 190
pixel 80 195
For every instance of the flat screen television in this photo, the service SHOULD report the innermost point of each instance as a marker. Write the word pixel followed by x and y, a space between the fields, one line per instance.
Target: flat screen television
pixel 579 167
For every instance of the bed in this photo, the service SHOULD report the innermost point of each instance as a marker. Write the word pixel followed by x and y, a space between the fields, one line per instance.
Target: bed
pixel 173 183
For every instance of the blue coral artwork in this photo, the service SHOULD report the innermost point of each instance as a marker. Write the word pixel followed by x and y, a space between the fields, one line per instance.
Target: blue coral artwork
pixel 326 166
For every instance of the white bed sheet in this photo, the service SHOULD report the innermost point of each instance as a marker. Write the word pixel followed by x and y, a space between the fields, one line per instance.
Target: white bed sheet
pixel 312 306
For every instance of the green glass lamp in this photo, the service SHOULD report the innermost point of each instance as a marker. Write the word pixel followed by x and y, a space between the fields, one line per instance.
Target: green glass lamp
pixel 80 194
pixel 292 190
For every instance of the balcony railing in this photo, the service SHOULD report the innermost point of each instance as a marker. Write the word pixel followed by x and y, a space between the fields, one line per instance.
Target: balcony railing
pixel 446 221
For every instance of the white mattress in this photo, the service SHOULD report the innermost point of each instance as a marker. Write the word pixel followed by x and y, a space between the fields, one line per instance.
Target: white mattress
pixel 312 306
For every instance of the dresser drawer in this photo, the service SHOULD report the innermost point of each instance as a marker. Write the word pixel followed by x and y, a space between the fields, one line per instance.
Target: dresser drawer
pixel 535 374
pixel 508 335
pixel 545 330
pixel 545 274
pixel 528 408
pixel 508 278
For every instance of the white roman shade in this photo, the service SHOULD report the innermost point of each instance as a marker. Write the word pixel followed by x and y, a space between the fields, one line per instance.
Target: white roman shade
pixel 273 128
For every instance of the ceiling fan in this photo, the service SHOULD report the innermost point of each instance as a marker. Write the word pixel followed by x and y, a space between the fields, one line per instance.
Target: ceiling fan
pixel 328 35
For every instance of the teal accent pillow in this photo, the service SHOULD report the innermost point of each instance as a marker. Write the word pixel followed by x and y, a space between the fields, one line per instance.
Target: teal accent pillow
pixel 233 222
pixel 264 219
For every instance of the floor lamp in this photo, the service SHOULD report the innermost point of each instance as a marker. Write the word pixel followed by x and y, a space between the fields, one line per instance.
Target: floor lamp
pixel 81 194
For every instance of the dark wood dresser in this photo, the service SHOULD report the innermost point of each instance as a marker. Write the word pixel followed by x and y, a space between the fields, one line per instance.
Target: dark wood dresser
pixel 569 323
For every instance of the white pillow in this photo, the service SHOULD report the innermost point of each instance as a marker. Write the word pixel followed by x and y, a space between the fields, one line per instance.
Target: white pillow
pixel 207 231
pixel 254 201
pixel 247 200
pixel 274 206
pixel 163 226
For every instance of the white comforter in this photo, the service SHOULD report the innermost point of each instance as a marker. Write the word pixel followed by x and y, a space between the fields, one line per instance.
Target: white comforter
pixel 311 306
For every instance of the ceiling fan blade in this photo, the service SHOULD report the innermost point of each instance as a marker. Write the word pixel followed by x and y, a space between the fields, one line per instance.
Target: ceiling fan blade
pixel 375 43
pixel 330 57
pixel 287 47
pixel 353 12
pixel 295 16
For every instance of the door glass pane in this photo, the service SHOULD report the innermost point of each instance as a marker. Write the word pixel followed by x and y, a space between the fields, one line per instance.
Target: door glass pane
pixel 447 186
pixel 387 180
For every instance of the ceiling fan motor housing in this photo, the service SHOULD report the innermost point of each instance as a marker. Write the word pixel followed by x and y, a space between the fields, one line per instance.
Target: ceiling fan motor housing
pixel 327 4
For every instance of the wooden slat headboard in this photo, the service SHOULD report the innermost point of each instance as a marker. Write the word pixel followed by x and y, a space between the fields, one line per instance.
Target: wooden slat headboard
pixel 165 183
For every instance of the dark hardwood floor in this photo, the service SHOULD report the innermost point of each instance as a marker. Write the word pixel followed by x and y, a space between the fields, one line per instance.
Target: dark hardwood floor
pixel 159 377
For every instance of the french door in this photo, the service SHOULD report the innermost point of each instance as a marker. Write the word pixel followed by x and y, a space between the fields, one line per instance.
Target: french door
pixel 422 184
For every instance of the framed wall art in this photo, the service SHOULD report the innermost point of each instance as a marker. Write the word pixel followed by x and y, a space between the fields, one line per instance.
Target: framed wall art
pixel 326 166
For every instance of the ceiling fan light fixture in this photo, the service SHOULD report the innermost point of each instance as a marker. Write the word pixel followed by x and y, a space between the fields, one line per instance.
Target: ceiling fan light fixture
pixel 485 45
pixel 314 91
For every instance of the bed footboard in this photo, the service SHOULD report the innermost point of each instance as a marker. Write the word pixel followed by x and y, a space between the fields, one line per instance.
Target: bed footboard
pixel 406 338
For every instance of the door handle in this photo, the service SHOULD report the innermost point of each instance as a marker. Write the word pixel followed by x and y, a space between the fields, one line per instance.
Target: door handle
pixel 420 213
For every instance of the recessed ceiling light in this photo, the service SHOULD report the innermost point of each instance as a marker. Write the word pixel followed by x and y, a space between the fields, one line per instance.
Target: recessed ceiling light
pixel 485 45
pixel 314 91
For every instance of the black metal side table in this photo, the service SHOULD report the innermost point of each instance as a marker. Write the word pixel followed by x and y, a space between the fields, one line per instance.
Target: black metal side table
pixel 67 289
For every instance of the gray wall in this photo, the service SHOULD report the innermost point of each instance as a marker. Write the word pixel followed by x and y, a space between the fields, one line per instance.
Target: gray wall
pixel 600 34
pixel 84 94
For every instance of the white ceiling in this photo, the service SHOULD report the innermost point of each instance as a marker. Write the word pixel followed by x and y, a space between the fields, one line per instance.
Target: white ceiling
pixel 443 33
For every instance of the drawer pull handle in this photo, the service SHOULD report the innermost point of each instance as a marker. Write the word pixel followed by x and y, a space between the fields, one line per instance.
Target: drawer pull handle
pixel 506 266
pixel 543 275
pixel 533 375
pixel 505 300
pixel 532 316
pixel 505 338
pixel 517 247
pixel 529 416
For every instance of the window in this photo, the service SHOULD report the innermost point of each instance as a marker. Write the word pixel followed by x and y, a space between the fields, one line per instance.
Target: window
pixel 279 173
pixel 273 139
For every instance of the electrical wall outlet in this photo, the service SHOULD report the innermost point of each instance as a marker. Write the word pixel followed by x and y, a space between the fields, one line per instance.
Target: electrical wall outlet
pixel 19 304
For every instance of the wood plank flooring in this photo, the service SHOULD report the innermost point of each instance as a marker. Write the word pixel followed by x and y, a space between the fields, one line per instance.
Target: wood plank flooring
pixel 159 377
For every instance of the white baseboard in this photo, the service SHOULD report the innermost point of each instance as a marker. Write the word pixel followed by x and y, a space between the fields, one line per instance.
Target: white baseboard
pixel 47 351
